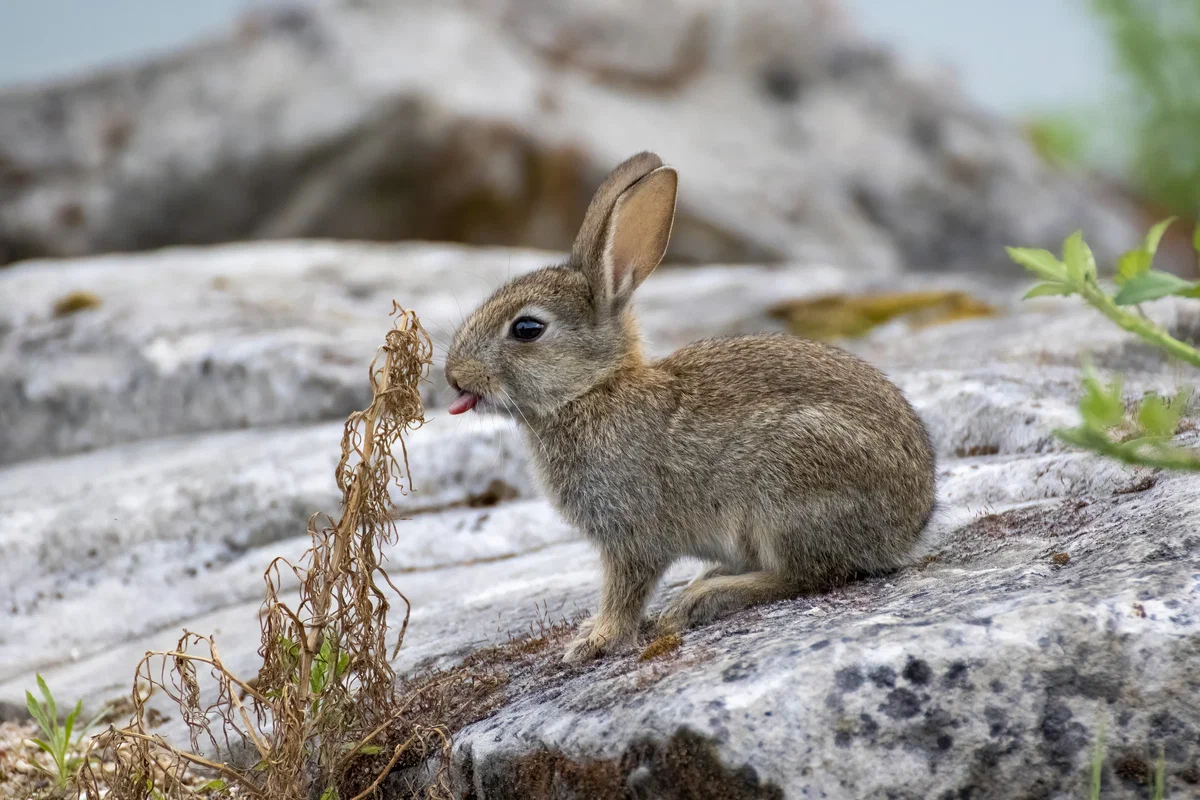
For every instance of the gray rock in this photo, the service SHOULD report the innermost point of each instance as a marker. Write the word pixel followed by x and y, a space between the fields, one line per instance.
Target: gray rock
pixel 492 122
pixel 986 672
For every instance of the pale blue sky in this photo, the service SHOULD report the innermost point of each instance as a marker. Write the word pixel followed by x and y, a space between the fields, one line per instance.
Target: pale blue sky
pixel 1013 56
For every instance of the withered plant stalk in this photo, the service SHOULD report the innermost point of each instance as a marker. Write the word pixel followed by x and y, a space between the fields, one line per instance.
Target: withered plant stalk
pixel 326 686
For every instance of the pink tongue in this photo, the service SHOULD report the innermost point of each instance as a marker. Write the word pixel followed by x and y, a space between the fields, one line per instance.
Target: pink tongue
pixel 464 403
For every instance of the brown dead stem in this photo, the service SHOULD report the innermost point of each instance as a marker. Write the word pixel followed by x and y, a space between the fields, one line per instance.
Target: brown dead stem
pixel 326 684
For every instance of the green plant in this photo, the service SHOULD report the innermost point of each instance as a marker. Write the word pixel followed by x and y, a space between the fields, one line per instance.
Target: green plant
pixel 1097 766
pixel 57 742
pixel 1160 776
pixel 1156 44
pixel 1146 438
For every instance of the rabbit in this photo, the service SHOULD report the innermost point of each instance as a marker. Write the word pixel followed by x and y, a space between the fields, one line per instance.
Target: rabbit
pixel 790 464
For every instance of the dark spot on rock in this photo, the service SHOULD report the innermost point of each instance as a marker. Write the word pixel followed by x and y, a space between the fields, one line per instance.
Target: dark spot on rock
pixel 687 765
pixel 842 739
pixel 781 82
pixel 1060 559
pixel 738 671
pixel 1070 681
pixel 901 704
pixel 848 679
pixel 868 727
pixel 925 132
pixel 883 677
pixel 497 491
pixel 821 645
pixel 1131 767
pixel 115 134
pixel 1064 736
pixel 984 621
pixel 1190 775
pixel 977 450
pixel 917 671
pixel 1172 735
pixel 847 61
pixel 956 676
pixel 932 734
pixel 870 204
pixel 70 215
pixel 997 719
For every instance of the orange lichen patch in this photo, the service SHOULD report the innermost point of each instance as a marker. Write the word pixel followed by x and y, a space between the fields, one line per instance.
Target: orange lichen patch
pixel 838 315
pixel 667 643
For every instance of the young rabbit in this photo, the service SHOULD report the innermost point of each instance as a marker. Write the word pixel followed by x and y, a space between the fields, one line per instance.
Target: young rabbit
pixel 790 463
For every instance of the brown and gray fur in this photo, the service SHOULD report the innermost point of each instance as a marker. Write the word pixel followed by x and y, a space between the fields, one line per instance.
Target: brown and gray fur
pixel 789 463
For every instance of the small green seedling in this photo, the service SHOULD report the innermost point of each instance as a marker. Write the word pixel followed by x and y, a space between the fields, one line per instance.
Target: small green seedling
pixel 1147 439
pixel 57 741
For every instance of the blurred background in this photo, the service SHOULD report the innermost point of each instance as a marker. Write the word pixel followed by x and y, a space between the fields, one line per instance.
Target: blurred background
pixel 286 106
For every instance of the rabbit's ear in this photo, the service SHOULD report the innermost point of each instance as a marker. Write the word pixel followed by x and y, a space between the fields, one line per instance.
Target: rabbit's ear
pixel 627 228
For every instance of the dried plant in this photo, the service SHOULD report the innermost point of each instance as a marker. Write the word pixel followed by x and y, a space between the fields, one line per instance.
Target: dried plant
pixel 326 689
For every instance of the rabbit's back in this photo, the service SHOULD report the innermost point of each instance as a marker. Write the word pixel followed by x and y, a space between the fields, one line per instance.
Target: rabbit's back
pixel 761 449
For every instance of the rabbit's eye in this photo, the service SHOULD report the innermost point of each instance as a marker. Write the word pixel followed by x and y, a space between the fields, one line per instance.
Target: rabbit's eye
pixel 526 329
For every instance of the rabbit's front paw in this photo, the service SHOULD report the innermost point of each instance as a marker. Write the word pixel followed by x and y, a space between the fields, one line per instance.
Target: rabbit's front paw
pixel 593 644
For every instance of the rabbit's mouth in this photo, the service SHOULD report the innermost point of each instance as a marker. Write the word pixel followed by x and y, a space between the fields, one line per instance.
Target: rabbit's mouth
pixel 464 402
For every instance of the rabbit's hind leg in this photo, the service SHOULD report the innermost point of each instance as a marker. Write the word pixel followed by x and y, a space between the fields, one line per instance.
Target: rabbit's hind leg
pixel 708 598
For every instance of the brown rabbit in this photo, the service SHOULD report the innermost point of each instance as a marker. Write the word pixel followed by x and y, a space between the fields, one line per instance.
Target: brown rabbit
pixel 790 463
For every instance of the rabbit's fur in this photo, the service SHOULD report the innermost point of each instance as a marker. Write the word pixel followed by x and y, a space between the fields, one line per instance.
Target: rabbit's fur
pixel 790 463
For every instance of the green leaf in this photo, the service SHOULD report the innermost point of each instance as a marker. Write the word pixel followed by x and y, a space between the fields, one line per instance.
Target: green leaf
pixel 52 708
pixel 38 713
pixel 1076 256
pixel 1153 284
pixel 1158 416
pixel 70 723
pixel 213 786
pixel 46 746
pixel 1155 234
pixel 1048 288
pixel 330 794
pixel 1196 238
pixel 1040 262
pixel 1101 406
pixel 370 750
pixel 1131 264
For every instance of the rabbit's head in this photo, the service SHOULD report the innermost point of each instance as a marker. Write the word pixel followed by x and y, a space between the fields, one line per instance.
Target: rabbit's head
pixel 547 337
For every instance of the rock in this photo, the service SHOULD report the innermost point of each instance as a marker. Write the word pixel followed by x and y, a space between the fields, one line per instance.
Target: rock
pixel 194 521
pixel 985 671
pixel 492 121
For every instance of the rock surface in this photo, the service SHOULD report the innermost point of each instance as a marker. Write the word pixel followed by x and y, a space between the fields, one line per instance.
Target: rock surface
pixel 491 122
pixel 987 672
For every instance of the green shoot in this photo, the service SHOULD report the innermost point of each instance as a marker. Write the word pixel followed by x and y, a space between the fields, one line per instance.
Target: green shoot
pixel 1160 776
pixel 57 740
pixel 1147 439
pixel 1097 772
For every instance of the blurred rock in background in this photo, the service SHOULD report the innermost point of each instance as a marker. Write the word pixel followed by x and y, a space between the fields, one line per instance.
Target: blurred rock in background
pixel 491 121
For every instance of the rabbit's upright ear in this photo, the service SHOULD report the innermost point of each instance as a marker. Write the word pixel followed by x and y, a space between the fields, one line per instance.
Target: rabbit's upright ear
pixel 627 227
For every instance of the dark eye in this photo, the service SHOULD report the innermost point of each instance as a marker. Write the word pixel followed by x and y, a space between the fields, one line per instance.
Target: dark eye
pixel 526 329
